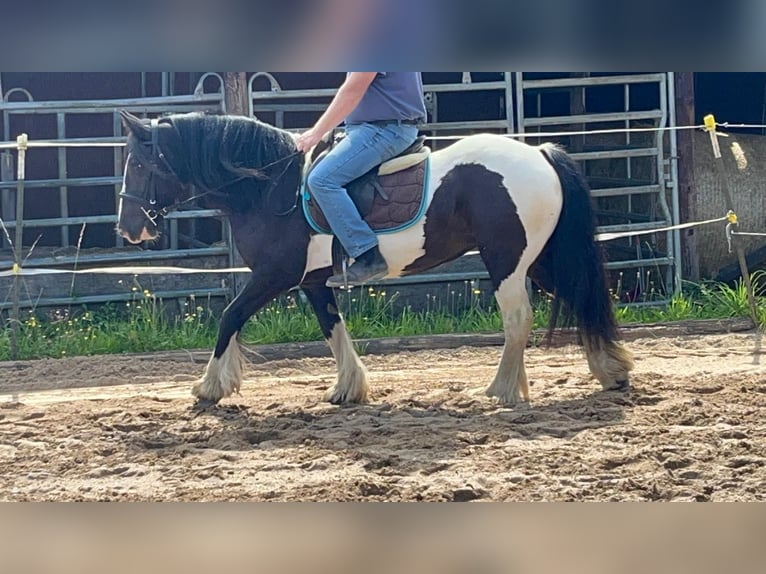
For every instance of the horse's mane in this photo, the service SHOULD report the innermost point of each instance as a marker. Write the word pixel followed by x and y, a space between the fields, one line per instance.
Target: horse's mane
pixel 237 158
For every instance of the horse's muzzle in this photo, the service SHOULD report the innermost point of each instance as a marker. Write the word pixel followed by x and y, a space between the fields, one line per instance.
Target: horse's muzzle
pixel 144 235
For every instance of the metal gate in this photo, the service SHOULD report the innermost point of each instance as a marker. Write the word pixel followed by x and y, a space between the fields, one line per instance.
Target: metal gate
pixel 631 172
pixel 457 103
pixel 619 124
pixel 60 192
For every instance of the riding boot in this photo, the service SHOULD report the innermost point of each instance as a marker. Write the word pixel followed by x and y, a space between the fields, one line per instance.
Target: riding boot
pixel 369 266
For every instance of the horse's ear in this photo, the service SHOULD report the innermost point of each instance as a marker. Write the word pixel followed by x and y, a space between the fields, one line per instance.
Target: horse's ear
pixel 135 125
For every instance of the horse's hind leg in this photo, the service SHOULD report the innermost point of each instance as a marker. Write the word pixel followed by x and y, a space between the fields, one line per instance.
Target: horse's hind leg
pixel 351 386
pixel 510 383
pixel 609 362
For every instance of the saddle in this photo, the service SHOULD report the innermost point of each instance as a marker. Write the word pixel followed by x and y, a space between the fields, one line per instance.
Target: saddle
pixel 390 197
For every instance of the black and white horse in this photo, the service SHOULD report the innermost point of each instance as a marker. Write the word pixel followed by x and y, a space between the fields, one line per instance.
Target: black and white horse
pixel 526 209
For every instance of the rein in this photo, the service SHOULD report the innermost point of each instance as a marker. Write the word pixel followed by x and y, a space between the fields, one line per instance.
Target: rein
pixel 148 202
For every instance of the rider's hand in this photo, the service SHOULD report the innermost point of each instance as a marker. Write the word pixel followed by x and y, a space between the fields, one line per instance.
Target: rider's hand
pixel 307 140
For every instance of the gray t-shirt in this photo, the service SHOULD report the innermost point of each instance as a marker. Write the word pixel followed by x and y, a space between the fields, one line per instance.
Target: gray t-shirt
pixel 391 96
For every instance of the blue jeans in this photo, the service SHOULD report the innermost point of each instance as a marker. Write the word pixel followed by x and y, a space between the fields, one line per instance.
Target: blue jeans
pixel 364 147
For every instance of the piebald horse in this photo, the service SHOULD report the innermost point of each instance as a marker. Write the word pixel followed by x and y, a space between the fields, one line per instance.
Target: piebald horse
pixel 525 209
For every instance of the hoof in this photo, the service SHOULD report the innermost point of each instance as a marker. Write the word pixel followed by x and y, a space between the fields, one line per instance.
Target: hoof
pixel 623 385
pixel 202 405
pixel 518 404
pixel 337 396
pixel 507 400
pixel 502 394
pixel 207 392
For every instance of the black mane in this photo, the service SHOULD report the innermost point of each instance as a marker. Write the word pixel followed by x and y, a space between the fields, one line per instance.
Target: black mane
pixel 237 158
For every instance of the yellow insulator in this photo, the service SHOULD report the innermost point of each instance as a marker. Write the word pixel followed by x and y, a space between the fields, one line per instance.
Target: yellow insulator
pixel 732 217
pixel 709 122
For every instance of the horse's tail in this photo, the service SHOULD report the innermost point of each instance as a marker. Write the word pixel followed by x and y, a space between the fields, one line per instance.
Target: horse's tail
pixel 572 265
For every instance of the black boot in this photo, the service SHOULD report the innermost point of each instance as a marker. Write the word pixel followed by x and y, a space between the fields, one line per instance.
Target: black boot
pixel 369 266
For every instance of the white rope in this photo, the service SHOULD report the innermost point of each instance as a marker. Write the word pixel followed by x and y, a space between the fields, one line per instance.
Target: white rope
pixel 750 233
pixel 121 271
pixel 84 144
pixel 62 143
pixel 728 125
pixel 610 236
pixel 577 133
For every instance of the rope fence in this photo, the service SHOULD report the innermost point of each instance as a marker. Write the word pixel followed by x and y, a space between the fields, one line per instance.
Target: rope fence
pixel 121 270
pixel 65 143
pixel 620 235
pixel 120 142
pixel 23 144
pixel 566 133
pixel 709 126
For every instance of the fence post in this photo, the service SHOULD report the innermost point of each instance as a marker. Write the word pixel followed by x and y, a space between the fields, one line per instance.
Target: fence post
pixel 687 194
pixel 21 145
pixel 235 99
pixel 7 201
pixel 710 126
pixel 235 93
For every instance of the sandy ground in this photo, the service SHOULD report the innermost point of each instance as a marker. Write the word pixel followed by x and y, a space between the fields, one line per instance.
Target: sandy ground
pixel 117 428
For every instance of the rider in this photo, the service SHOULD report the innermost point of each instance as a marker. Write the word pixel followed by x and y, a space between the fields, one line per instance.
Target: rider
pixel 381 111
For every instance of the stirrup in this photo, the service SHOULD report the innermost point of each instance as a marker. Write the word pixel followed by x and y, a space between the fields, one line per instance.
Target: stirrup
pixel 344 271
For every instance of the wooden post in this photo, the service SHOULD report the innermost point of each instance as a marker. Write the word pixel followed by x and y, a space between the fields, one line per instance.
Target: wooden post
pixel 21 144
pixel 7 199
pixel 687 196
pixel 235 93
pixel 576 108
pixel 235 100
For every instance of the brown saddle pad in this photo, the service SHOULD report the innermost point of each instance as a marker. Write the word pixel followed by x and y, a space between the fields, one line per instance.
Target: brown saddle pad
pixel 388 203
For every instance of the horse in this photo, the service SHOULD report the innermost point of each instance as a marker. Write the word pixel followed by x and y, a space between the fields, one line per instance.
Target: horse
pixel 526 209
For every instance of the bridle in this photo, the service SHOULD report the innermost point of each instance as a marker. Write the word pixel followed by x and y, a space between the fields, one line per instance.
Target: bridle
pixel 148 201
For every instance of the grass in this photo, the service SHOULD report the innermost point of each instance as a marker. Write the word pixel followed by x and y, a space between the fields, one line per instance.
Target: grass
pixel 144 324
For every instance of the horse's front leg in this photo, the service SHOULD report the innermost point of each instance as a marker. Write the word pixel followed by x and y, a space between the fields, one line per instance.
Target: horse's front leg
pixel 223 374
pixel 351 386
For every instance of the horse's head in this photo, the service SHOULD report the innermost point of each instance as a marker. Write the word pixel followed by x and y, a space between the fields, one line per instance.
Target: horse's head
pixel 150 184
